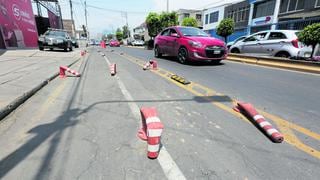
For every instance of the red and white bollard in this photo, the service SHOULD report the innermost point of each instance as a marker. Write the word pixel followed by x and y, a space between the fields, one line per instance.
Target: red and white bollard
pixel 154 64
pixel 113 69
pixel 151 131
pixel 273 133
pixel 146 66
pixel 63 70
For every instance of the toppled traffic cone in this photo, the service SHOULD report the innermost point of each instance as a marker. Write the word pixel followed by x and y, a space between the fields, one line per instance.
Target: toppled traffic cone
pixel 82 53
pixel 63 70
pixel 250 111
pixel 154 64
pixel 113 69
pixel 146 66
pixel 151 131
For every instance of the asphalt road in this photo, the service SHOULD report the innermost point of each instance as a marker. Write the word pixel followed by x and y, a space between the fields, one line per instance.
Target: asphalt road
pixel 85 128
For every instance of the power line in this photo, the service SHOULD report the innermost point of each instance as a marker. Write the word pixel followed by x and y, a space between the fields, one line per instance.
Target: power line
pixel 113 10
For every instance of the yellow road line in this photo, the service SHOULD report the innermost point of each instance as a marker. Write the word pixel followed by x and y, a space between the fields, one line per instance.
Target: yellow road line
pixel 285 127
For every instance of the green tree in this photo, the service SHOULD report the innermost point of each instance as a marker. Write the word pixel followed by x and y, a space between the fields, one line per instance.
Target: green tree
pixel 225 28
pixel 153 24
pixel 310 36
pixel 119 34
pixel 126 32
pixel 168 19
pixel 189 21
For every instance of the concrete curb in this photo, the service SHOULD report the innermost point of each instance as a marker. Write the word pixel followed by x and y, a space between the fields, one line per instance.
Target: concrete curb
pixel 303 66
pixel 21 99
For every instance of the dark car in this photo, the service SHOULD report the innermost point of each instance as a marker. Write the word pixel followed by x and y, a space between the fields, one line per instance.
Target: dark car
pixel 55 38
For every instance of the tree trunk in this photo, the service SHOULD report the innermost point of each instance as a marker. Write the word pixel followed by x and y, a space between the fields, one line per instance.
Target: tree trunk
pixel 312 52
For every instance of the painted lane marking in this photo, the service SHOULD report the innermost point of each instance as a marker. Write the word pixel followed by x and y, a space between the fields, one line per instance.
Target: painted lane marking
pixel 169 167
pixel 284 126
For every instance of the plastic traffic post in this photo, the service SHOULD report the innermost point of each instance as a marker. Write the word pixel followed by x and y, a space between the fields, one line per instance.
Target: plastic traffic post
pixel 151 131
pixel 249 110
pixel 113 69
pixel 63 70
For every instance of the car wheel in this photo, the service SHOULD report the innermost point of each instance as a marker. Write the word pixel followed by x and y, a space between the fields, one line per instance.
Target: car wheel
pixel 183 55
pixel 51 49
pixel 66 49
pixel 41 48
pixel 283 54
pixel 157 53
pixel 235 50
pixel 70 48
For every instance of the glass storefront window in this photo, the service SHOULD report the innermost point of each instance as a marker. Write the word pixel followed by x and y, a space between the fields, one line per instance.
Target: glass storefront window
pixel 265 8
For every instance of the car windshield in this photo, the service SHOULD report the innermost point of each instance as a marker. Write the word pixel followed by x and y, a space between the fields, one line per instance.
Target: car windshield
pixel 55 33
pixel 188 31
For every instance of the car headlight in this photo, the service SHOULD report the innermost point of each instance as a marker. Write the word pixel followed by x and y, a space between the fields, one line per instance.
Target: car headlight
pixel 59 41
pixel 195 44
pixel 41 39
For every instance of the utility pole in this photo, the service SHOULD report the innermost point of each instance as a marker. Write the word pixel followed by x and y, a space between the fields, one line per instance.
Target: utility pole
pixel 86 16
pixel 127 24
pixel 72 26
pixel 167 6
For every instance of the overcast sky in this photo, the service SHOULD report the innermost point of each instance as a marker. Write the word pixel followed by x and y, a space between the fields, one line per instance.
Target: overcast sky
pixel 105 20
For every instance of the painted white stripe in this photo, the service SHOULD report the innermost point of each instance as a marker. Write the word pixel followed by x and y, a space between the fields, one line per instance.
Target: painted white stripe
pixel 153 148
pixel 154 132
pixel 264 123
pixel 152 120
pixel 271 131
pixel 169 167
pixel 256 117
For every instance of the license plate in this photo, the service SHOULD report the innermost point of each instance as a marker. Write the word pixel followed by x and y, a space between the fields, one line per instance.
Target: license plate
pixel 216 52
pixel 307 54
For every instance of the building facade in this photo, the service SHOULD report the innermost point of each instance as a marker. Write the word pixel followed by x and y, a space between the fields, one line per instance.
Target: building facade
pixel 141 32
pixel 251 16
pixel 239 12
pixel 185 13
pixel 283 14
pixel 211 19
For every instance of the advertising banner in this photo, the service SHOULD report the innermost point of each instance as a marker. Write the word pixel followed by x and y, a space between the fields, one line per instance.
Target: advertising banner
pixel 17 23
pixel 262 20
pixel 54 20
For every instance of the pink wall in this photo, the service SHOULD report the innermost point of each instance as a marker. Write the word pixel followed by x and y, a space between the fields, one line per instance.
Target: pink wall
pixel 18 24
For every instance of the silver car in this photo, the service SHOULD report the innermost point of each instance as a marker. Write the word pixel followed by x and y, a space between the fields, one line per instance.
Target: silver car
pixel 279 43
pixel 137 42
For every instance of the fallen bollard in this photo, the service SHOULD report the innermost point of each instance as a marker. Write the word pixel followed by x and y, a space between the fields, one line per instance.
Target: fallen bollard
pixel 151 131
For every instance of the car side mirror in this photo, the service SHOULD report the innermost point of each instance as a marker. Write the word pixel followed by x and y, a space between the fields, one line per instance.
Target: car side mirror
pixel 175 35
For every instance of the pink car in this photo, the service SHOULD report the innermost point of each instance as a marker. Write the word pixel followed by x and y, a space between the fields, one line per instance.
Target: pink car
pixel 189 44
pixel 114 43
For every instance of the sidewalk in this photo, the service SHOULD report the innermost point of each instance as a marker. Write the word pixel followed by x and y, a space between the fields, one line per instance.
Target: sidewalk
pixel 23 70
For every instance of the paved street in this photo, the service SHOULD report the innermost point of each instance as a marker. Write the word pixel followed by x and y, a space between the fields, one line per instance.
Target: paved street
pixel 85 128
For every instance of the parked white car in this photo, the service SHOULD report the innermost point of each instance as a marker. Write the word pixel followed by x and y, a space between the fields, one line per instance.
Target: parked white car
pixel 137 42
pixel 279 43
